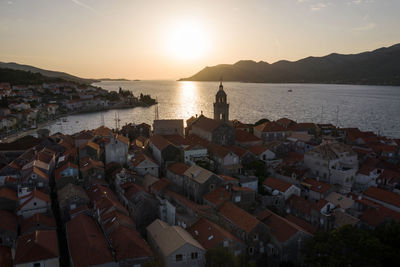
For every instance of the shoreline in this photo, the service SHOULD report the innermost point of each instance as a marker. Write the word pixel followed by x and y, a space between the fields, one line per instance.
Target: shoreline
pixel 15 136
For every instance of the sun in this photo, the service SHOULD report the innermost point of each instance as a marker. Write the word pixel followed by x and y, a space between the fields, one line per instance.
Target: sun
pixel 187 41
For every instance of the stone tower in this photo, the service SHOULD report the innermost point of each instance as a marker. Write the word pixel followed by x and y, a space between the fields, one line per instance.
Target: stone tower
pixel 221 107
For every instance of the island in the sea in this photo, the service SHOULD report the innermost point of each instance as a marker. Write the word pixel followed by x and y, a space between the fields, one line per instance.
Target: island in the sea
pixel 379 67
pixel 29 100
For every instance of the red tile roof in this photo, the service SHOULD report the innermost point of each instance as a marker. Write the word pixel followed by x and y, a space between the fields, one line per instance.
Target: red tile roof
pixel 317 186
pixel 37 246
pixel 140 157
pixel 258 150
pixel 301 204
pixel 36 220
pixel 87 245
pixel 383 195
pixel 6 259
pixel 159 141
pixel 159 186
pixel 218 196
pixel 302 223
pixel 206 124
pixel 239 151
pixel 209 234
pixel 238 217
pixel 178 168
pixel 8 193
pixel 277 184
pixel 34 194
pixel 8 221
pixel 244 136
pixel 128 244
pixel 378 214
pixel 218 150
pixel 268 127
pixel 280 228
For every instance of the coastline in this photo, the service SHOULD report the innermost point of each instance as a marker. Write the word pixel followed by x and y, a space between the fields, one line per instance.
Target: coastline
pixel 12 137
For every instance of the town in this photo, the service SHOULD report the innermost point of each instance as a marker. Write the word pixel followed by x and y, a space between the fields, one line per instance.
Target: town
pixel 218 192
pixel 24 107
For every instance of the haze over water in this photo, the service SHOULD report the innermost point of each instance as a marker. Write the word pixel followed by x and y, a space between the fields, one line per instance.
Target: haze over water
pixel 373 108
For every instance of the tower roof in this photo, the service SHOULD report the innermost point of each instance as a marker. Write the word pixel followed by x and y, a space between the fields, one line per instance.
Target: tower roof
pixel 221 92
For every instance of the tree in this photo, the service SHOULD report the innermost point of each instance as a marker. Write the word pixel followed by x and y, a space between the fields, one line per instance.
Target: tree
pixel 351 246
pixel 261 121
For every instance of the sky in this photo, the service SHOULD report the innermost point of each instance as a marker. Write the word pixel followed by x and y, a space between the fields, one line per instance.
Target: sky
pixel 171 39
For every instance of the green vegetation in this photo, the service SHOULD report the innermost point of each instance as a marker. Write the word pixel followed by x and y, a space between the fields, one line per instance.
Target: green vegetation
pixel 350 246
pixel 19 77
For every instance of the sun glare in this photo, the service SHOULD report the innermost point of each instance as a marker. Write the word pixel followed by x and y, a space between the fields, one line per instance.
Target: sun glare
pixel 187 41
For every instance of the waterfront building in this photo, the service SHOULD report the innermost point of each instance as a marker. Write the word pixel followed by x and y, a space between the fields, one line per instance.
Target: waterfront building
pixel 168 127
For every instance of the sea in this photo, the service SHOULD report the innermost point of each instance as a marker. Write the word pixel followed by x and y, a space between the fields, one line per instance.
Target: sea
pixel 369 108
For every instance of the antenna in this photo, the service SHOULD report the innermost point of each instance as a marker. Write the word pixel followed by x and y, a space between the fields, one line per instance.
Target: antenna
pixel 322 113
pixel 337 117
pixel 117 120
pixel 156 111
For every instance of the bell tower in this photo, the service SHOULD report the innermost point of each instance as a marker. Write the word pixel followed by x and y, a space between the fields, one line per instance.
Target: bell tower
pixel 221 106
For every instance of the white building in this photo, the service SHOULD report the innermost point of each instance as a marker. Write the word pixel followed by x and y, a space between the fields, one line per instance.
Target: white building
pixel 334 163
pixel 117 149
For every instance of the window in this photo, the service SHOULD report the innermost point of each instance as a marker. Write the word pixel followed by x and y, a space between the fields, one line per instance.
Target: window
pixel 212 186
pixel 237 199
pixel 34 203
pixel 226 243
pixel 251 250
pixel 178 257
pixel 195 255
pixel 36 264
pixel 255 237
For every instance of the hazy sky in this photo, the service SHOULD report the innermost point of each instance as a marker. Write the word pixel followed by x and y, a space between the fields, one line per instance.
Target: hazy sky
pixel 169 39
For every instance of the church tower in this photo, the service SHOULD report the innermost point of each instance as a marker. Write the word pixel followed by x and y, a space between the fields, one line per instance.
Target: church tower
pixel 221 107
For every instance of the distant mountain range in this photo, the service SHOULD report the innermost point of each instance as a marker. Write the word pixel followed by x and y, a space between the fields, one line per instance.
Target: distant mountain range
pixel 47 73
pixel 379 67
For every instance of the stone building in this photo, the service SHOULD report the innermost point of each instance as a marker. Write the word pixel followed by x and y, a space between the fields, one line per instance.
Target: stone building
pixel 221 106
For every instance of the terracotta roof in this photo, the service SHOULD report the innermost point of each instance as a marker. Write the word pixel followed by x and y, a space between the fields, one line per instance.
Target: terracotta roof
pixel 8 193
pixel 378 214
pixel 38 219
pixel 228 178
pixel 176 139
pixel 268 127
pixel 239 151
pixel 218 196
pixel 97 192
pixel 89 163
pixel 258 150
pixel 140 157
pixel 209 234
pixel 87 245
pixel 103 131
pixel 197 140
pixel 285 122
pixel 276 184
pixel 302 223
pixel 122 138
pixel 244 136
pixel 218 150
pixel 389 176
pixel 37 246
pixel 159 141
pixel 239 217
pixel 198 174
pixel 178 168
pixel 280 228
pixel 6 259
pixel 206 124
pixel 8 221
pixel 317 186
pixel 383 195
pixel 64 167
pixel 34 194
pixel 170 238
pixel 160 185
pixel 128 244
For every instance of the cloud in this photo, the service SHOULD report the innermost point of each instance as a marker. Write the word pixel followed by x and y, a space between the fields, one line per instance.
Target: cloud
pixel 79 3
pixel 367 27
pixel 359 2
pixel 319 6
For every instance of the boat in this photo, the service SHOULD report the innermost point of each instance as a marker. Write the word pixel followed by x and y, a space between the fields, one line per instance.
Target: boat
pixel 76 121
pixel 290 90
